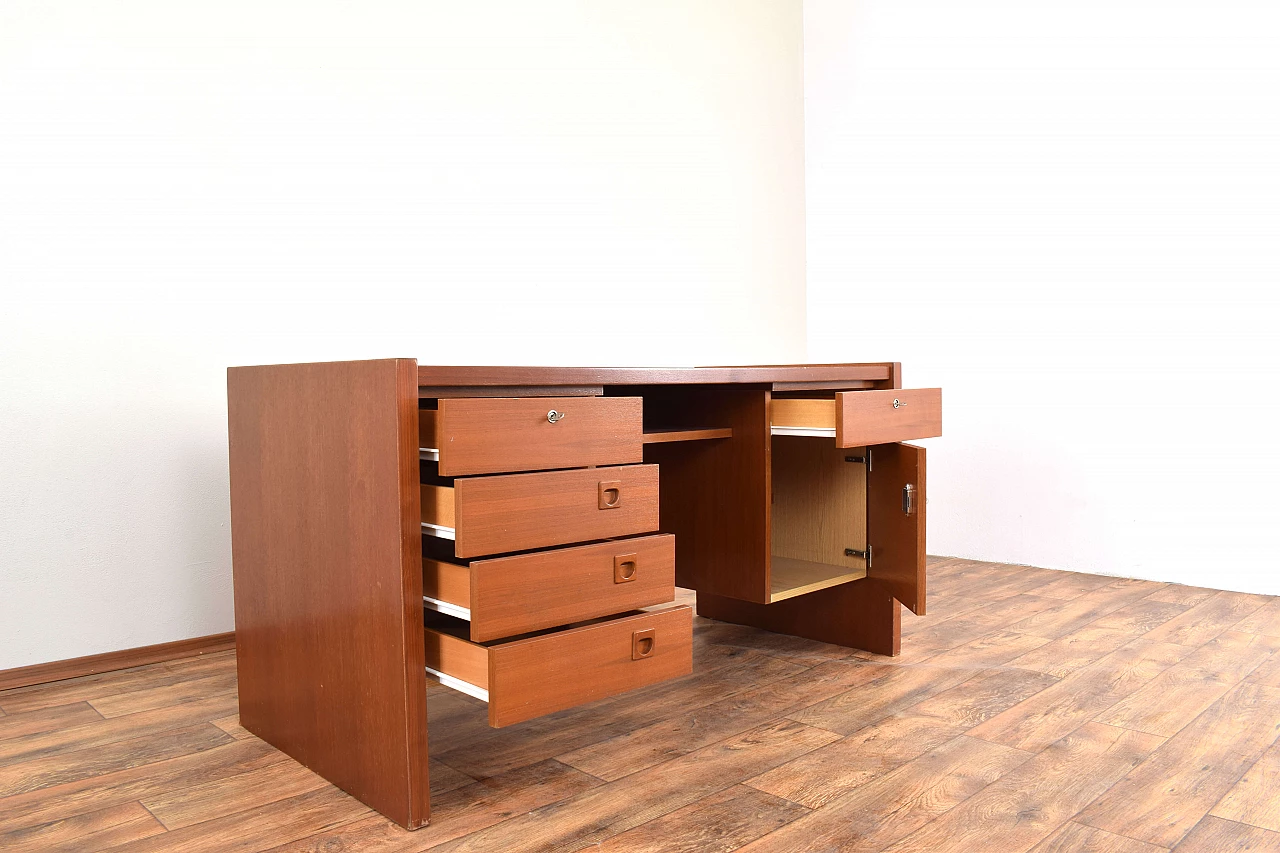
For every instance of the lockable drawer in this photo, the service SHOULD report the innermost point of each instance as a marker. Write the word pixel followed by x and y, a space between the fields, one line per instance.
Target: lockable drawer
pixel 505 596
pixel 496 434
pixel 859 418
pixel 537 675
pixel 519 512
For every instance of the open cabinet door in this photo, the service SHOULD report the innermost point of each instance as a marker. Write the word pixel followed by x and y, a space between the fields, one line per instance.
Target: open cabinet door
pixel 895 521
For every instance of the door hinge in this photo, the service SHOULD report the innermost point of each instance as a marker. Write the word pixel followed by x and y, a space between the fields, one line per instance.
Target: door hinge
pixel 865 555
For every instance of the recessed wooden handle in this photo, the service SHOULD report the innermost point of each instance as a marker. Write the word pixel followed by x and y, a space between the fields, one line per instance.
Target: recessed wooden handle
pixel 642 643
pixel 610 494
pixel 624 568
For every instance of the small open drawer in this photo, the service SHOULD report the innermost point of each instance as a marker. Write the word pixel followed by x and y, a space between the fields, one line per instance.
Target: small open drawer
pixel 531 676
pixel 859 418
pixel 506 596
pixel 520 512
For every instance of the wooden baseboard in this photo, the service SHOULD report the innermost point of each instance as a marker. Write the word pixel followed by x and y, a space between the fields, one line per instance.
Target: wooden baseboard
pixel 40 673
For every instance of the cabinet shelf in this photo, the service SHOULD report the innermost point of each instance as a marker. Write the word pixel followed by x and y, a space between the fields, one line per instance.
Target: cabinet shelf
pixel 790 577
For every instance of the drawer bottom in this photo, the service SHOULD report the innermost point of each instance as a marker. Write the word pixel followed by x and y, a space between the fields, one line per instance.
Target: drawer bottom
pixel 543 673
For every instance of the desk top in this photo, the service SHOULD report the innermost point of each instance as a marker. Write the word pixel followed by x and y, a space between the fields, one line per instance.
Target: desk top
pixel 572 381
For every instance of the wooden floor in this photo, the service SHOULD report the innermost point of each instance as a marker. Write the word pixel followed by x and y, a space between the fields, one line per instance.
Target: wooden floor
pixel 1031 710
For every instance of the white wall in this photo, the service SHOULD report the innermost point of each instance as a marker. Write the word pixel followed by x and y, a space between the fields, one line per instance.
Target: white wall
pixel 1068 216
pixel 187 186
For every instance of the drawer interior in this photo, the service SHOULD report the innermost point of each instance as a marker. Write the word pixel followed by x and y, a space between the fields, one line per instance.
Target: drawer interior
pixel 439 516
pixel 819 514
pixel 446 585
pixel 803 417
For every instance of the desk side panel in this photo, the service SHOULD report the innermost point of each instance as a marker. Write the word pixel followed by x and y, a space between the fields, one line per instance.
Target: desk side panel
pixel 328 581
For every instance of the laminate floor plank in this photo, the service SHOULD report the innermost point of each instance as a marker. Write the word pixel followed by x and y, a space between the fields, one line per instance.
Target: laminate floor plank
pixel 208 800
pixel 824 774
pixel 91 687
pixel 1265 620
pixel 990 650
pixel 1215 835
pixel 1141 616
pixel 37 773
pixel 1061 708
pixel 1078 612
pixel 96 830
pixel 101 732
pixel 897 690
pixel 1163 798
pixel 718 823
pixel 455 813
pixel 984 696
pixel 47 719
pixel 1062 656
pixel 1268 674
pixel 683 733
pixel 1189 596
pixel 134 783
pixel 1069 585
pixel 1178 695
pixel 1120 717
pixel 872 816
pixel 974 624
pixel 616 807
pixel 258 828
pixel 1206 620
pixel 122 704
pixel 1030 802
pixel 1077 838
pixel 1255 799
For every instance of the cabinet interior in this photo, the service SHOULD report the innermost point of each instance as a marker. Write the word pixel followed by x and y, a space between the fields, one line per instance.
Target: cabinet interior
pixel 819 509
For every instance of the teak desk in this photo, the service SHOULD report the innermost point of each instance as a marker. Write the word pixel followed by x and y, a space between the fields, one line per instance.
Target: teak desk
pixel 512 532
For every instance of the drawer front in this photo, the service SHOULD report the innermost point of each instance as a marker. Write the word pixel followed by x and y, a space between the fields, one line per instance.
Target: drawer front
pixel 885 417
pixel 540 675
pixel 530 592
pixel 493 435
pixel 519 512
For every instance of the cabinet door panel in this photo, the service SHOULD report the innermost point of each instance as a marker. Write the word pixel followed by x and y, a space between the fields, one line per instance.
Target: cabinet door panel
pixel 895 521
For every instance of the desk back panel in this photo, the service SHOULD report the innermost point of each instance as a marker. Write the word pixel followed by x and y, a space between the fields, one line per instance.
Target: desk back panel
pixel 715 493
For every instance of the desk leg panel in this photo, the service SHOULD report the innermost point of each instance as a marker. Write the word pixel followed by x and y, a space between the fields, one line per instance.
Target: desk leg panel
pixel 326 550
pixel 861 615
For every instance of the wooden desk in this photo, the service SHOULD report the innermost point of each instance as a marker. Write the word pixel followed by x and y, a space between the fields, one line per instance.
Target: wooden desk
pixel 518 533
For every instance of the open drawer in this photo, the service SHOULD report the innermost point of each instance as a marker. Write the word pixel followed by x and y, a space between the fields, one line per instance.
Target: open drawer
pixel 528 677
pixel 859 418
pixel 520 512
pixel 505 596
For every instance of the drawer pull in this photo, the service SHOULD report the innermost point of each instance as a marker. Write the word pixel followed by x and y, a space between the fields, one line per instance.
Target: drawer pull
pixel 624 568
pixel 555 417
pixel 610 494
pixel 642 643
